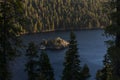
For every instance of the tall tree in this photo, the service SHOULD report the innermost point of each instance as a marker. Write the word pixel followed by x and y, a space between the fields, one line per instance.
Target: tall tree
pixel 106 72
pixel 85 72
pixel 72 67
pixel 10 19
pixel 114 30
pixel 46 69
pixel 31 64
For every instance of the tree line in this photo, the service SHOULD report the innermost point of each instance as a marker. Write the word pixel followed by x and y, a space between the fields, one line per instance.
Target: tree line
pixel 51 15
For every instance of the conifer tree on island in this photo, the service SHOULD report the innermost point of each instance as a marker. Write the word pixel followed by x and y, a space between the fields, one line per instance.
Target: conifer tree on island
pixel 31 64
pixel 46 70
pixel 72 63
pixel 10 19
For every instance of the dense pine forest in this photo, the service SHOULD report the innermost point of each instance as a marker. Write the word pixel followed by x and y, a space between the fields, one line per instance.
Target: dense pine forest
pixel 51 15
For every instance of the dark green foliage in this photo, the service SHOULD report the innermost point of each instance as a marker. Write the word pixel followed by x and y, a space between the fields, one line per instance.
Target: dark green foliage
pixel 72 63
pixel 32 50
pixel 46 70
pixel 31 64
pixel 114 53
pixel 50 15
pixel 85 72
pixel 41 77
pixel 72 69
pixel 98 75
pixel 9 30
pixel 106 72
pixel 38 68
pixel 114 30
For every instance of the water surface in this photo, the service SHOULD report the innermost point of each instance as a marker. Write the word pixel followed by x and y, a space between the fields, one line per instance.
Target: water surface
pixel 91 50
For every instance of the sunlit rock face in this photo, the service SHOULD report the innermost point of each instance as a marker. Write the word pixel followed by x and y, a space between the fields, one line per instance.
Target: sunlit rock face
pixel 57 43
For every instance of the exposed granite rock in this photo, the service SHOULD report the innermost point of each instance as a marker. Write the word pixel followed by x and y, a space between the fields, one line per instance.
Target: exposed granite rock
pixel 57 43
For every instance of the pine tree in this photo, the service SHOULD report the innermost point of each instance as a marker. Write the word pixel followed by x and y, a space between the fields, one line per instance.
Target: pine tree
pixel 31 64
pixel 72 63
pixel 107 68
pixel 46 69
pixel 106 72
pixel 114 53
pixel 85 72
pixel 11 14
pixel 41 77
pixel 114 30
pixel 98 75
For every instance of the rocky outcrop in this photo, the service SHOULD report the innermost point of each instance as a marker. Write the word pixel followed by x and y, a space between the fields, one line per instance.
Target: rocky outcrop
pixel 57 43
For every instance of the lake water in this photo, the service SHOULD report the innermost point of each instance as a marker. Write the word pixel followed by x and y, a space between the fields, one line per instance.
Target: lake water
pixel 91 50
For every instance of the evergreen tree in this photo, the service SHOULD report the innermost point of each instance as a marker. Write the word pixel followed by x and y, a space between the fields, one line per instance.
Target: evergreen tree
pixel 98 75
pixel 72 63
pixel 106 72
pixel 114 53
pixel 114 30
pixel 46 70
pixel 85 72
pixel 11 14
pixel 31 64
pixel 107 68
pixel 41 77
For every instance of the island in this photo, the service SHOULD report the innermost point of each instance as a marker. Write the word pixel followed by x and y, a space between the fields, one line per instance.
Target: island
pixel 54 44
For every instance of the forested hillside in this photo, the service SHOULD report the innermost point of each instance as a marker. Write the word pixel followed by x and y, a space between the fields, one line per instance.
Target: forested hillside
pixel 50 15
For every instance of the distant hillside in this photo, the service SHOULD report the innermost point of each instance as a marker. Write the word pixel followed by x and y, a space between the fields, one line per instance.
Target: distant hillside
pixel 50 15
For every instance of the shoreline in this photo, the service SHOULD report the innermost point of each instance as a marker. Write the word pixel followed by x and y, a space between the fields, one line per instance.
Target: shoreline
pixel 49 31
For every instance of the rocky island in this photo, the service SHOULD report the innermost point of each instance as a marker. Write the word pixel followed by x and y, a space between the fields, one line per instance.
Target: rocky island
pixel 54 44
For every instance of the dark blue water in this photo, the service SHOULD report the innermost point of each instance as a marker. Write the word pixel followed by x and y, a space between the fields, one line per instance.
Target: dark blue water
pixel 91 50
